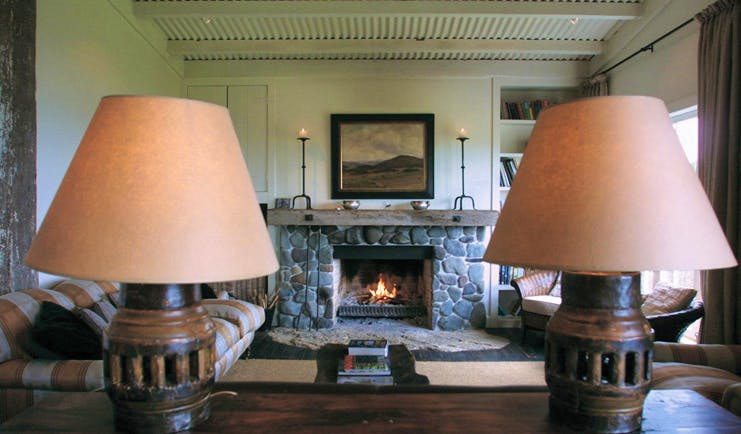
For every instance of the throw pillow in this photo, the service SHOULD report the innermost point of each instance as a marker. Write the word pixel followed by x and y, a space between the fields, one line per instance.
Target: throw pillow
pixel 61 332
pixel 666 298
pixel 207 292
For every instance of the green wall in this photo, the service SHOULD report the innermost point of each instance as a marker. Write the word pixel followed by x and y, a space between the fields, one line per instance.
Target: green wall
pixel 86 49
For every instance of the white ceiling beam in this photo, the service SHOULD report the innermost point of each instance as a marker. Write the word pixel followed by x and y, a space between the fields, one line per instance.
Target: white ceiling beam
pixel 348 46
pixel 291 8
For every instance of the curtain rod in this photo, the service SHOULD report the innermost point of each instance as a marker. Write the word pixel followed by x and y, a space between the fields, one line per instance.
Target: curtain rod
pixel 648 47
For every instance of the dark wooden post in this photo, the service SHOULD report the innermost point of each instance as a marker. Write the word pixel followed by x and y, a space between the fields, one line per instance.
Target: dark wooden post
pixel 17 142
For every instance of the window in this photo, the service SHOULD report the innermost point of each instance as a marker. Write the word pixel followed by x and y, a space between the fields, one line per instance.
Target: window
pixel 685 124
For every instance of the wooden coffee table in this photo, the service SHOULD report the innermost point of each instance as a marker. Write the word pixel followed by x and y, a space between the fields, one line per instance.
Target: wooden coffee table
pixel 343 408
pixel 401 361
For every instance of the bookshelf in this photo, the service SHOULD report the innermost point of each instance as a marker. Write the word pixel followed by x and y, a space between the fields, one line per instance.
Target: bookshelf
pixel 513 137
pixel 514 133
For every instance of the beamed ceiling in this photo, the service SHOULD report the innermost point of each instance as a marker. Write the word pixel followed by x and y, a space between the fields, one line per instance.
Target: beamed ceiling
pixel 548 30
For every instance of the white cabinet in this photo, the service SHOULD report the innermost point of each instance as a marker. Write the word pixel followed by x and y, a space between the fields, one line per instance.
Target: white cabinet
pixel 248 106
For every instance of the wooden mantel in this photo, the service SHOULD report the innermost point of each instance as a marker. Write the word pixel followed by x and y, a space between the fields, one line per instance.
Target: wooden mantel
pixel 380 217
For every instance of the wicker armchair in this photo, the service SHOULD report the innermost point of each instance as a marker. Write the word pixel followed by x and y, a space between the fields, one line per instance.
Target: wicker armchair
pixel 539 293
pixel 536 302
pixel 669 327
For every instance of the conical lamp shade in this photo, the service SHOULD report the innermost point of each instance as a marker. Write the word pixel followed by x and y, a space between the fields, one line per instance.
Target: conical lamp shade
pixel 604 186
pixel 157 192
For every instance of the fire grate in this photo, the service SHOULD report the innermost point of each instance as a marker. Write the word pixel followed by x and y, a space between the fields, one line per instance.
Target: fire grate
pixel 381 311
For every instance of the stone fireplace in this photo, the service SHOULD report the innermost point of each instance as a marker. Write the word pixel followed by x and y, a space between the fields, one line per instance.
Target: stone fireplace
pixel 333 262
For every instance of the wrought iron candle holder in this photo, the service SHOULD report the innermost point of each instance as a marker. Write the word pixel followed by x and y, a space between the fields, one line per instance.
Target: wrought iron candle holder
pixel 458 203
pixel 304 138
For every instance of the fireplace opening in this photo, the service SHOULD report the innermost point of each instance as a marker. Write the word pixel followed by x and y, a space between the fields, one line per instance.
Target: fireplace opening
pixel 383 282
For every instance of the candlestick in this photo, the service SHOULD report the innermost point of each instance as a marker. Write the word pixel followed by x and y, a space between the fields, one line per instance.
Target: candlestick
pixel 458 203
pixel 303 136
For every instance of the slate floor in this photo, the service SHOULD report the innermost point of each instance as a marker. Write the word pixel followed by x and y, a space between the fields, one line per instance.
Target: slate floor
pixel 263 347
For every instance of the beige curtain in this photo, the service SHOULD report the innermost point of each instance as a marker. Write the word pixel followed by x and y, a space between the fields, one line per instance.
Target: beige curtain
pixel 596 86
pixel 719 114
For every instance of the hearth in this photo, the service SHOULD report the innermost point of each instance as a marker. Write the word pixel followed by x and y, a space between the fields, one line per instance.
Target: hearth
pixel 443 286
pixel 372 286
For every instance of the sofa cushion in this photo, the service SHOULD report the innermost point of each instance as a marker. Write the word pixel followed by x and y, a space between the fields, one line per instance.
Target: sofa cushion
pixel 105 309
pixel 666 298
pixel 84 293
pixel 62 332
pixel 726 357
pixel 705 380
pixel 541 304
pixel 732 399
pixel 96 322
pixel 246 316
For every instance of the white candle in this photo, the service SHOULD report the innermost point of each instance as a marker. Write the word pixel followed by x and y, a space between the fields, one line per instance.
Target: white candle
pixel 462 133
pixel 303 134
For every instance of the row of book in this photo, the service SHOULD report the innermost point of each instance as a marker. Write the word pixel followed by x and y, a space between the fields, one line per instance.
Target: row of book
pixel 507 171
pixel 367 362
pixel 524 110
pixel 508 272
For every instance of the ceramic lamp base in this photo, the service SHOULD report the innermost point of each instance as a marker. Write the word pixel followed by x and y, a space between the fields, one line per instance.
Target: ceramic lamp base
pixel 158 359
pixel 598 353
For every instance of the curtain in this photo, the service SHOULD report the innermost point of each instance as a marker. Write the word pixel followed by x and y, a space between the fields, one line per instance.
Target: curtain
pixel 719 114
pixel 596 86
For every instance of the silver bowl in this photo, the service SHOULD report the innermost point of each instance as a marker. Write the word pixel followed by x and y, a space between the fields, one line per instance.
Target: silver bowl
pixel 350 204
pixel 420 204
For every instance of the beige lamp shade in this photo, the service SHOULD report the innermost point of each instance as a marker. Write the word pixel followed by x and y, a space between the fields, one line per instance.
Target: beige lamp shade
pixel 157 192
pixel 604 185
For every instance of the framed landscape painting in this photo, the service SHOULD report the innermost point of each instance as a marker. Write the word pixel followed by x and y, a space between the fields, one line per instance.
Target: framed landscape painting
pixel 383 156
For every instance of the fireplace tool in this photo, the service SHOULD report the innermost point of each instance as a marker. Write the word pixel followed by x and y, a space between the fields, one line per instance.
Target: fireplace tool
pixel 458 203
pixel 303 136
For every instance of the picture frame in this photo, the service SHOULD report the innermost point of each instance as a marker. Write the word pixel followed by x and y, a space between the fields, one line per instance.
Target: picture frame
pixel 383 156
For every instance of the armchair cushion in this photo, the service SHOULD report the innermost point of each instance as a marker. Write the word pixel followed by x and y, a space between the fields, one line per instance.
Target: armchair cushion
pixel 667 298
pixel 541 304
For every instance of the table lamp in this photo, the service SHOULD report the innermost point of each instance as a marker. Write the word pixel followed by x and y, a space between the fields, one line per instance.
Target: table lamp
pixel 157 197
pixel 604 191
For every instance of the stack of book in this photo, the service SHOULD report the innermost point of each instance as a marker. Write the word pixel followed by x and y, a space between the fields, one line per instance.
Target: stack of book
pixel 366 363
pixel 368 347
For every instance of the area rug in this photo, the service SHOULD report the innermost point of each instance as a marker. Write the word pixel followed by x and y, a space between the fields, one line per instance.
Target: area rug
pixel 439 373
pixel 404 332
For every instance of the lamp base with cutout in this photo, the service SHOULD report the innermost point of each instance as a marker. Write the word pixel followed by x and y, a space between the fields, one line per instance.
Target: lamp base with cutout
pixel 158 359
pixel 598 353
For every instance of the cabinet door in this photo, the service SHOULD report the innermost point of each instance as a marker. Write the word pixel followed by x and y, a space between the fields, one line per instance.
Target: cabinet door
pixel 248 107
pixel 212 94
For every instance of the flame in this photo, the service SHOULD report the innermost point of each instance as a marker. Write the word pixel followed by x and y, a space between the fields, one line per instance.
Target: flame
pixel 381 294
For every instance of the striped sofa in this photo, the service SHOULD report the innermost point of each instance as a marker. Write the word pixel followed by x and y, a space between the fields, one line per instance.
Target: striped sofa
pixel 711 370
pixel 235 322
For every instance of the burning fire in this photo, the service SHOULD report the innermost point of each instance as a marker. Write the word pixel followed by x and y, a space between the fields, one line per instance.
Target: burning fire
pixel 381 295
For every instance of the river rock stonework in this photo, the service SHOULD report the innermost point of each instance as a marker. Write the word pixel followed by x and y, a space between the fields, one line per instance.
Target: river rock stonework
pixel 308 274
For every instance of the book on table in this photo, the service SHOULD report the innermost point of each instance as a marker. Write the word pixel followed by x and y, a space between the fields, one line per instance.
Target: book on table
pixel 363 365
pixel 368 347
pixel 380 380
